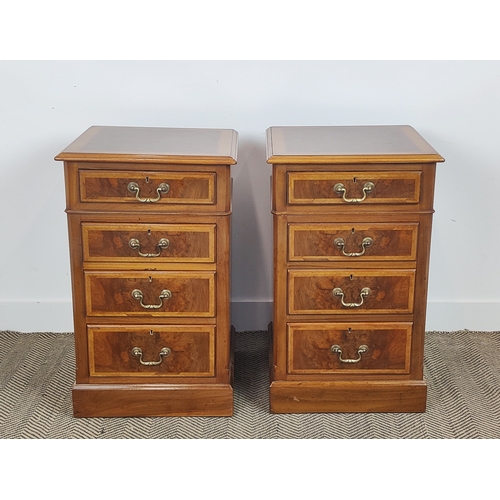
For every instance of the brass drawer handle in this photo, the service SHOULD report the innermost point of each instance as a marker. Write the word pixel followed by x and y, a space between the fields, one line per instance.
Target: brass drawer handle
pixel 337 350
pixel 164 353
pixel 367 242
pixel 138 295
pixel 337 292
pixel 339 188
pixel 133 187
pixel 135 244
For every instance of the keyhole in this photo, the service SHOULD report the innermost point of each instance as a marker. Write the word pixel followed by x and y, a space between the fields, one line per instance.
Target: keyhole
pixel 354 179
pixel 348 332
pixel 352 231
pixel 147 178
pixel 149 232
pixel 150 279
pixel 350 277
pixel 151 332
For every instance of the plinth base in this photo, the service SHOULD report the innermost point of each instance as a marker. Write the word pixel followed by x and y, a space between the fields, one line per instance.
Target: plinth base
pixel 97 400
pixel 351 397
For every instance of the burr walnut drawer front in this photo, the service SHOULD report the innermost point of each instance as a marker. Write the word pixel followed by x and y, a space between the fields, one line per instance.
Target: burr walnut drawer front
pixel 337 188
pixel 324 348
pixel 333 242
pixel 183 243
pixel 161 189
pixel 153 293
pixel 326 291
pixel 180 351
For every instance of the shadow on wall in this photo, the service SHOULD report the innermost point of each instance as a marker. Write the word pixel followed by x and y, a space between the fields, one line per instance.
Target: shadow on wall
pixel 251 235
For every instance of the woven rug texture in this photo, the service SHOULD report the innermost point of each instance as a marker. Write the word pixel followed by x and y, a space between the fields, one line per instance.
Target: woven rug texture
pixel 462 371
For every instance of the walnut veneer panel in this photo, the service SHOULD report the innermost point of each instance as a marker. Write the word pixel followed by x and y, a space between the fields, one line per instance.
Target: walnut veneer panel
pixel 154 242
pixel 189 294
pixel 312 188
pixel 149 231
pixel 147 187
pixel 385 348
pixel 386 291
pixel 190 351
pixel 352 210
pixel 344 242
pixel 114 187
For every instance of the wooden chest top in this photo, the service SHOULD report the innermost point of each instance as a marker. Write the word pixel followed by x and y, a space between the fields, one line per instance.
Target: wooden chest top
pixel 348 144
pixel 154 144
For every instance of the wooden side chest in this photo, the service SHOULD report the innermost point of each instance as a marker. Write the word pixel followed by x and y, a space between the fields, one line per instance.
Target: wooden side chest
pixel 352 210
pixel 149 231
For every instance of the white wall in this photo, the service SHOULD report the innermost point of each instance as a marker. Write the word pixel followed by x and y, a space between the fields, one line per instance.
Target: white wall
pixel 44 105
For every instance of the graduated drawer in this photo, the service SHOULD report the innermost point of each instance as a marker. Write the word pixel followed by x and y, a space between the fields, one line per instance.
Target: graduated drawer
pixel 174 351
pixel 132 188
pixel 324 348
pixel 331 242
pixel 189 293
pixel 353 188
pixel 326 291
pixel 149 242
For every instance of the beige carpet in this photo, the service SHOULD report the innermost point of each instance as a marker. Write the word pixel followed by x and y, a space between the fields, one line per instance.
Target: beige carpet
pixel 462 370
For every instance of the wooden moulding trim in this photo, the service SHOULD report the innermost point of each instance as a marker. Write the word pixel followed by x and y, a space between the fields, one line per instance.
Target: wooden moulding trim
pixel 345 210
pixel 127 158
pixel 99 400
pixel 354 159
pixel 346 396
pixel 131 213
pixel 119 147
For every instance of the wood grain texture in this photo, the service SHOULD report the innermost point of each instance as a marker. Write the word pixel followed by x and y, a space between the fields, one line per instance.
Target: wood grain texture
pixel 316 242
pixel 194 215
pixel 310 291
pixel 188 188
pixel 309 348
pixel 152 400
pixel 207 193
pixel 78 299
pixel 318 196
pixel 223 343
pixel 311 188
pixel 309 215
pixel 154 144
pixel 367 144
pixel 348 396
pixel 110 294
pixel 192 351
pixel 187 243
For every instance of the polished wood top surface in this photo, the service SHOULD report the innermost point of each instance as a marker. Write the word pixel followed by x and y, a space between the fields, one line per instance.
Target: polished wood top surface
pixel 154 144
pixel 350 144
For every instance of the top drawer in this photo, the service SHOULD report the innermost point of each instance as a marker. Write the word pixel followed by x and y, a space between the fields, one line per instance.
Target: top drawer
pixel 353 188
pixel 161 188
pixel 122 187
